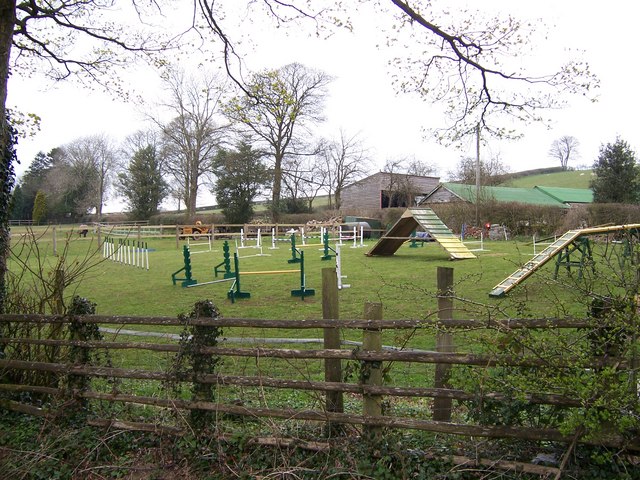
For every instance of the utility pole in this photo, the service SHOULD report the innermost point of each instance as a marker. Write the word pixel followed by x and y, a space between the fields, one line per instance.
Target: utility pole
pixel 477 170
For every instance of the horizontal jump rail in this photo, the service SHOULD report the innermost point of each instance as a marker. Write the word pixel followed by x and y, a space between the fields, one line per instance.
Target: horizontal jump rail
pixel 269 272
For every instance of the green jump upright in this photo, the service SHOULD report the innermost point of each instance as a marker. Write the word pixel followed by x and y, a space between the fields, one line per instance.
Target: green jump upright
pixel 294 251
pixel 303 291
pixel 235 291
pixel 326 249
pixel 226 263
pixel 187 280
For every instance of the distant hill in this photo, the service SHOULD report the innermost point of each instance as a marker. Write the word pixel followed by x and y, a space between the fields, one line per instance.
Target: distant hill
pixel 568 179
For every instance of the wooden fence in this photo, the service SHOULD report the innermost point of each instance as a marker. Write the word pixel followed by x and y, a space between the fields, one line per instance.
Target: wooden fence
pixel 370 357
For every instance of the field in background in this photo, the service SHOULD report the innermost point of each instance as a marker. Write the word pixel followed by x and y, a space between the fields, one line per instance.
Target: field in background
pixel 569 179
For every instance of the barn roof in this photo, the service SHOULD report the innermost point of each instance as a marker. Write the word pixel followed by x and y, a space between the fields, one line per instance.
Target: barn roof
pixel 529 196
pixel 568 195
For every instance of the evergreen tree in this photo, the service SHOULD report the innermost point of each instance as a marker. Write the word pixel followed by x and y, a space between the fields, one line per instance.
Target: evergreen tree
pixel 39 208
pixel 17 205
pixel 241 176
pixel 617 177
pixel 142 184
pixel 34 180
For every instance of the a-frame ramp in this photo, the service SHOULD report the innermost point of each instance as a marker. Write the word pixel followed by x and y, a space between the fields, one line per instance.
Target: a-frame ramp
pixel 429 221
pixel 548 253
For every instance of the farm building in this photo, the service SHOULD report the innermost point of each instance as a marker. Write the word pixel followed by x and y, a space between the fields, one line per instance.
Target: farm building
pixel 386 190
pixel 551 196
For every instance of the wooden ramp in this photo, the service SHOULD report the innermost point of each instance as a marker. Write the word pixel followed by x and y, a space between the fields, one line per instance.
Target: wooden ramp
pixel 429 221
pixel 548 253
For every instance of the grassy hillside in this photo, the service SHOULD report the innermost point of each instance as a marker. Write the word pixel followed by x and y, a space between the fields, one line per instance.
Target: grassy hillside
pixel 570 179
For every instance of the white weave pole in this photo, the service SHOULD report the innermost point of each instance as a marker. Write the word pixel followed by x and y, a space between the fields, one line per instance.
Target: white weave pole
pixel 339 270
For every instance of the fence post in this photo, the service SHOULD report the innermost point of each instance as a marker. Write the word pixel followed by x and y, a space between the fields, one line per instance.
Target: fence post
pixel 55 241
pixel 371 371
pixel 444 342
pixel 332 366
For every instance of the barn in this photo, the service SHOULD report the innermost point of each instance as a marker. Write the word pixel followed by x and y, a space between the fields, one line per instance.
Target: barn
pixel 387 190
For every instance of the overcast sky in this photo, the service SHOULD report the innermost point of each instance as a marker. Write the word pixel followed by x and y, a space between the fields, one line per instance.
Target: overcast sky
pixel 363 100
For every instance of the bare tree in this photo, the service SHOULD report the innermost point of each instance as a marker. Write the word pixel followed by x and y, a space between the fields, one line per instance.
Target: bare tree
pixel 277 110
pixel 564 149
pixel 420 168
pixel 345 161
pixel 302 180
pixel 491 171
pixel 96 154
pixel 192 139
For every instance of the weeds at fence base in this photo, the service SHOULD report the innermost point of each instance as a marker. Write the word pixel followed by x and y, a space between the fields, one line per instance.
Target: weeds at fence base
pixel 33 448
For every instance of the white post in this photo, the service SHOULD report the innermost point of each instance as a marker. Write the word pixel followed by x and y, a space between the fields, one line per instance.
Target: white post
pixel 361 235
pixel 302 235
pixel 339 269
pixel 355 237
pixel 241 239
pixel 259 239
pixel 340 235
pixel 273 239
pixel 134 251
pixel 146 254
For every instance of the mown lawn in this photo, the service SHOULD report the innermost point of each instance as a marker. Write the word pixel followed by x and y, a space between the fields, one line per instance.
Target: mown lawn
pixel 404 283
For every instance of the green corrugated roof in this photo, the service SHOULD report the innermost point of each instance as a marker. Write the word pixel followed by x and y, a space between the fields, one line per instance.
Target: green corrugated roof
pixel 504 194
pixel 568 195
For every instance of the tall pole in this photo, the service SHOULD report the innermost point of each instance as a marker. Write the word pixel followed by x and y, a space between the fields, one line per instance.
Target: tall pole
pixel 477 170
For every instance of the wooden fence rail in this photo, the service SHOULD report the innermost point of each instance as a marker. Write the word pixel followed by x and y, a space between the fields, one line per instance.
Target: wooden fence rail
pixel 371 358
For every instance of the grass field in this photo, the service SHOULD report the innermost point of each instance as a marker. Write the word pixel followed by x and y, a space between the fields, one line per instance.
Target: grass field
pixel 404 283
pixel 569 179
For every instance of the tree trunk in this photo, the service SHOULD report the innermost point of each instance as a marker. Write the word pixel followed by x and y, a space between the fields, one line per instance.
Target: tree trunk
pixel 277 188
pixel 337 198
pixel 7 23
pixel 193 197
